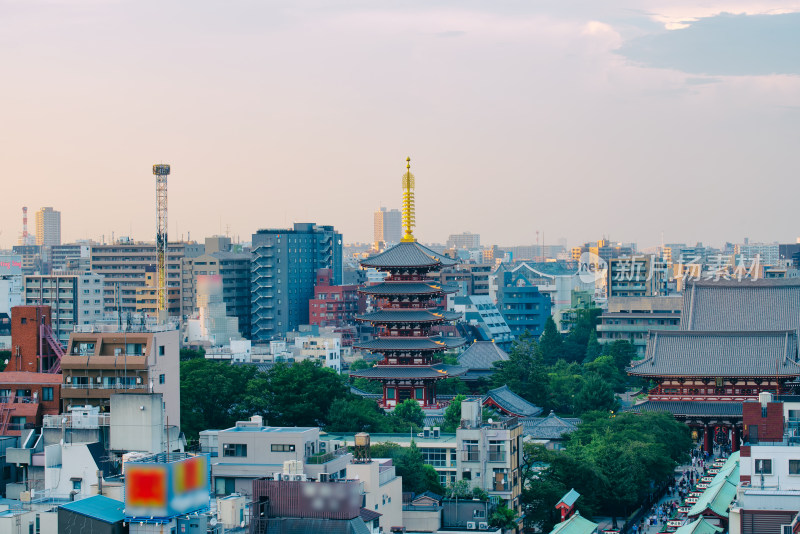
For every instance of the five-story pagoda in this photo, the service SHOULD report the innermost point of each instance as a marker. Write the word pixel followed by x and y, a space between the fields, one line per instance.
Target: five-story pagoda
pixel 408 306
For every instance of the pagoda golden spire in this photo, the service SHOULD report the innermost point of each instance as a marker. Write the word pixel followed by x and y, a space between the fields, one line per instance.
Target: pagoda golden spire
pixel 408 204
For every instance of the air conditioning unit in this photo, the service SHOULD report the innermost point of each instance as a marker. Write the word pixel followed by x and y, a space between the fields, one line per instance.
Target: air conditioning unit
pixel 436 432
pixel 483 525
pixel 299 478
pixel 471 525
pixel 426 432
pixel 277 476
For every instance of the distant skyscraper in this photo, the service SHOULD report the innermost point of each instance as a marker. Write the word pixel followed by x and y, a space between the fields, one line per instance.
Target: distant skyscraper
pixel 388 227
pixel 466 240
pixel 283 272
pixel 48 227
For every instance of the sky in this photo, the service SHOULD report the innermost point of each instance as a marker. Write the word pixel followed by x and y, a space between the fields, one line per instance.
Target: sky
pixel 632 119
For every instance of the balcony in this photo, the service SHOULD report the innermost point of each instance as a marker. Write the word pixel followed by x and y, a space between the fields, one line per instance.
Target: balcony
pixel 499 456
pixel 470 456
pixel 324 458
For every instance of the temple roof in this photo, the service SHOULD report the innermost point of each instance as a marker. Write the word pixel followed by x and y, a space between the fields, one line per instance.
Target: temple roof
pixel 576 524
pixel 719 354
pixel 550 427
pixel 766 304
pixel 410 254
pixel 690 408
pixel 511 403
pixel 409 371
pixel 482 355
pixel 405 315
pixel 382 344
pixel 407 288
pixel 701 526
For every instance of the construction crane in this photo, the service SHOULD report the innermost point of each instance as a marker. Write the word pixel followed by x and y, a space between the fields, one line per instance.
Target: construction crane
pixel 161 171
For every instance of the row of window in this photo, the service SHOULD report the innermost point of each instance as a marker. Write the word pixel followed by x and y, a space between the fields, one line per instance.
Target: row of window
pixel 764 467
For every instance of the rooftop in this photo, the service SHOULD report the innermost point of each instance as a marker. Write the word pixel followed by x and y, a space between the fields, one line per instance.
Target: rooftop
pixel 511 403
pixel 409 254
pixel 98 507
pixel 482 355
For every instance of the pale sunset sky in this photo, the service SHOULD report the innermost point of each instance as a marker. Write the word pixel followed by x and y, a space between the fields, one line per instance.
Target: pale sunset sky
pixel 577 118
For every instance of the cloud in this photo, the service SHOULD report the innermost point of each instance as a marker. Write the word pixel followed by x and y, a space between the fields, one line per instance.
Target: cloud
pixel 724 45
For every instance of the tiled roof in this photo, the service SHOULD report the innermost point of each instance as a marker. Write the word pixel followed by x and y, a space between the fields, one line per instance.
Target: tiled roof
pixel 368 515
pixel 408 255
pixel 388 344
pixel 511 403
pixel 682 353
pixel 409 371
pixel 576 524
pixel 766 304
pixel 570 498
pixel 550 427
pixel 690 408
pixel 361 393
pixel 717 499
pixel 98 507
pixel 482 355
pixel 389 315
pixel 701 526
pixel 407 288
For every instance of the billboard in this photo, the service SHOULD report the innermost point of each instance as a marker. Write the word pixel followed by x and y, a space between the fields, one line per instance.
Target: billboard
pixel 10 264
pixel 158 490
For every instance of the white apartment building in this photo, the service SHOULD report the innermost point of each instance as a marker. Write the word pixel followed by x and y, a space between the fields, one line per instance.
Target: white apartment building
pixel 75 298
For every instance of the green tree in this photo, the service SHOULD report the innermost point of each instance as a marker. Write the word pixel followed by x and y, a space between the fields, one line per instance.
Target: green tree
pixel 409 465
pixel 451 386
pixel 301 394
pixel 213 395
pixel 410 411
pixel 361 364
pixel 605 367
pixel 357 414
pixel 593 347
pixel 595 395
pixel 503 517
pixel 370 386
pixel 452 414
pixel 577 341
pixel 190 354
pixel 564 382
pixel 622 352
pixel 551 343
pixel 524 371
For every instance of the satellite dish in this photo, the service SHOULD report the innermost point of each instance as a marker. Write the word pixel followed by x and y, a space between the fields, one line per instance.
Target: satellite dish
pixel 241 524
pixel 490 421
pixel 213 521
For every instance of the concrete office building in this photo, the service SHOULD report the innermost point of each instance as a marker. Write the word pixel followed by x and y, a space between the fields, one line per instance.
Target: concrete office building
pixel 388 228
pixel 64 257
pixel 101 361
pixel 637 276
pixel 233 270
pixel 283 272
pixel 125 265
pixel 74 299
pixel 251 450
pixel 631 318
pixel 467 240
pixel 48 227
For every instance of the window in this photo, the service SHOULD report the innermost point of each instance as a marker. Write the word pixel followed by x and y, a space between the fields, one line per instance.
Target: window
pixel 280 447
pixel 224 486
pixel 794 467
pixel 763 467
pixel 47 394
pixel 161 350
pixel 76 484
pixel 419 393
pixel 390 393
pixel 162 379
pixel 234 449
pixel 434 456
pixel 470 451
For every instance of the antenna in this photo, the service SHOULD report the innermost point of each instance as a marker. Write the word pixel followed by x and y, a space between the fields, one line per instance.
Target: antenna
pixel 408 204
pixel 161 172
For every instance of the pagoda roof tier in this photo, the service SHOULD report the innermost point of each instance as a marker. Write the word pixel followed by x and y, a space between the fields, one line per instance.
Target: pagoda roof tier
pixel 434 372
pixel 410 254
pixel 390 344
pixel 690 408
pixel 407 288
pixel 681 353
pixel 408 316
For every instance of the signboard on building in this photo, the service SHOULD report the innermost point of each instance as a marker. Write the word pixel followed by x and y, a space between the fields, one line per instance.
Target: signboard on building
pixel 10 264
pixel 157 490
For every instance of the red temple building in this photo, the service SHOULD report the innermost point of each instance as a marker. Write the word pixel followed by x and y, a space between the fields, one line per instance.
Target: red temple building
pixel 737 339
pixel 408 306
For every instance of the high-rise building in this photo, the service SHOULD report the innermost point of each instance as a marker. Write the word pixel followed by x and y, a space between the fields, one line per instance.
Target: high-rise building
pixel 283 273
pixel 74 298
pixel 124 267
pixel 388 227
pixel 233 268
pixel 48 227
pixel 466 240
